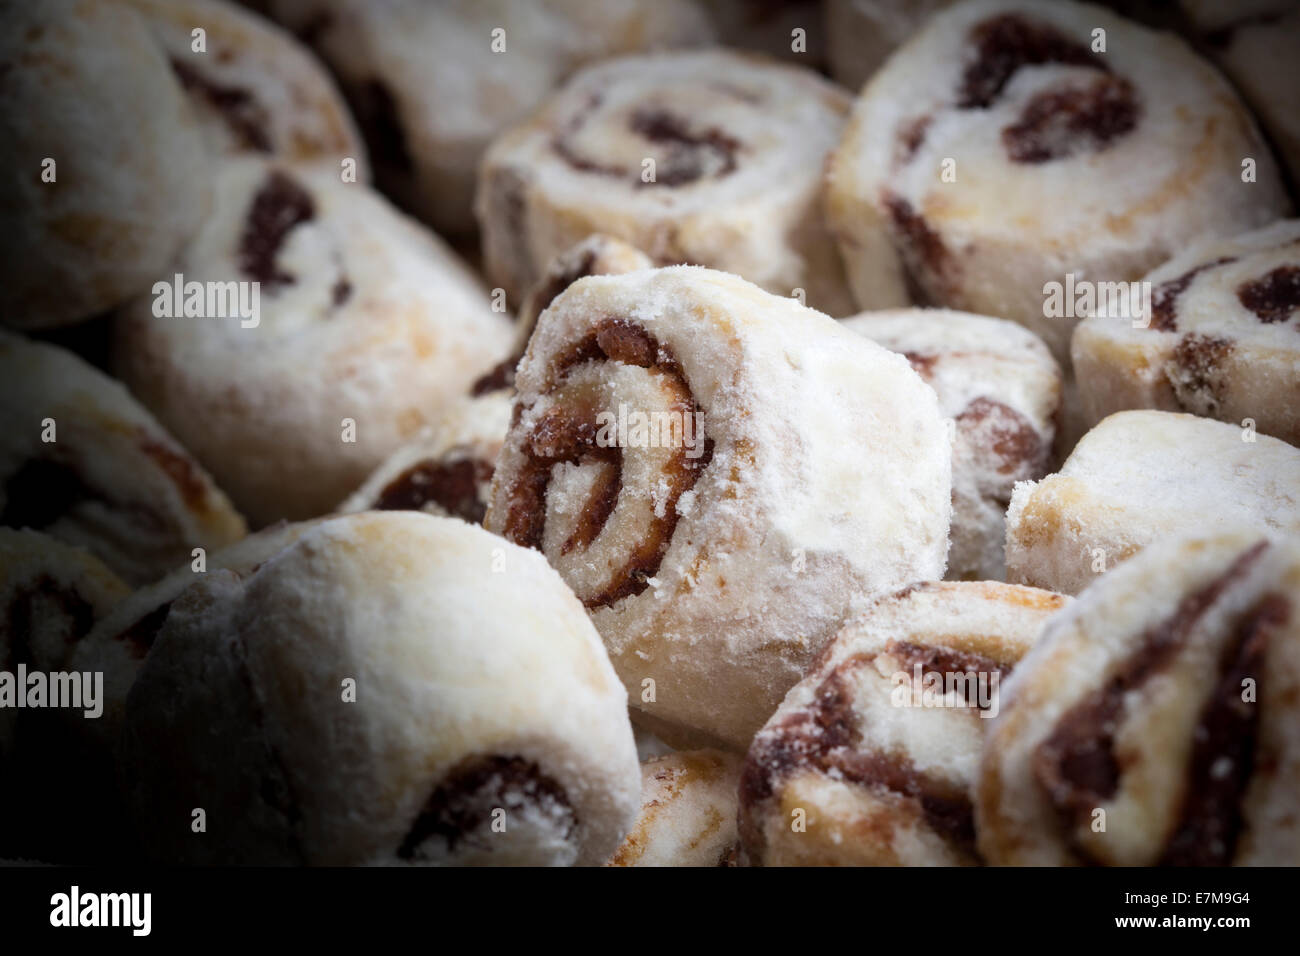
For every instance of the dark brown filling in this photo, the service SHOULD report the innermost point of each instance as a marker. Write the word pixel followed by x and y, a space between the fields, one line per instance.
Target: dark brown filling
pixel 340 292
pixel 235 104
pixel 920 247
pixel 1060 123
pixel 922 363
pixel 279 206
pixel 1164 297
pixel 1273 296
pixel 1076 764
pixel 567 433
pixel 911 135
pixel 1005 44
pixel 460 809
pixel 1223 749
pixel 689 153
pixel 453 486
pixel 825 738
pixel 1200 360
pixel 1010 436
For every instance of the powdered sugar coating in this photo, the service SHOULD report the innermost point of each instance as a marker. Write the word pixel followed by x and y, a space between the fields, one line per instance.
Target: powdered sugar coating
pixel 254 87
pixel 364 316
pixel 1001 388
pixel 1141 476
pixel 1197 759
pixel 737 143
pixel 828 481
pixel 881 772
pixel 1096 164
pixel 87 86
pixel 1224 341
pixel 474 691
pixel 110 478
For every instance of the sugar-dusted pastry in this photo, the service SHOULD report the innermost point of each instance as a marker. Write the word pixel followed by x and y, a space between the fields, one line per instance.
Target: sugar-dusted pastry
pixel 104 161
pixel 445 471
pixel 870 759
pixel 1222 340
pixel 1257 44
pixel 709 158
pixel 52 594
pixel 433 84
pixel 255 88
pixel 596 255
pixel 81 460
pixel 1157 720
pixel 1141 476
pixel 688 812
pixel 374 693
pixel 997 152
pixel 1002 389
pixel 719 474
pixel 342 329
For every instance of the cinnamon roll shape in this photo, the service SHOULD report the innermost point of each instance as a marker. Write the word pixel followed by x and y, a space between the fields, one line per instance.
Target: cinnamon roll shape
pixel 1222 340
pixel 105 162
pixel 82 461
pixel 253 86
pixel 718 474
pixel 1001 388
pixel 999 152
pixel 688 812
pixel 1139 477
pixel 52 595
pixel 1156 721
pixel 415 709
pixel 710 158
pixel 325 331
pixel 870 758
pixel 433 84
pixel 447 470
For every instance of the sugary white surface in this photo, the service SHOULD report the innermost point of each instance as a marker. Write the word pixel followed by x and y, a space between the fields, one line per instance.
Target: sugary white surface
pixel 829 483
pixel 263 407
pixel 1141 476
pixel 451 662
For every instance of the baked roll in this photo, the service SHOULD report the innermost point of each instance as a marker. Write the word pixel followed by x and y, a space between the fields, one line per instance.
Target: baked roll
pixel 1002 389
pixel 447 470
pixel 53 594
pixel 374 694
pixel 1220 342
pixel 1155 722
pixel 997 153
pixel 105 165
pixel 254 87
pixel 688 812
pixel 433 84
pixel 83 462
pixel 718 474
pixel 1141 476
pixel 354 328
pixel 597 255
pixel 710 158
pixel 870 758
